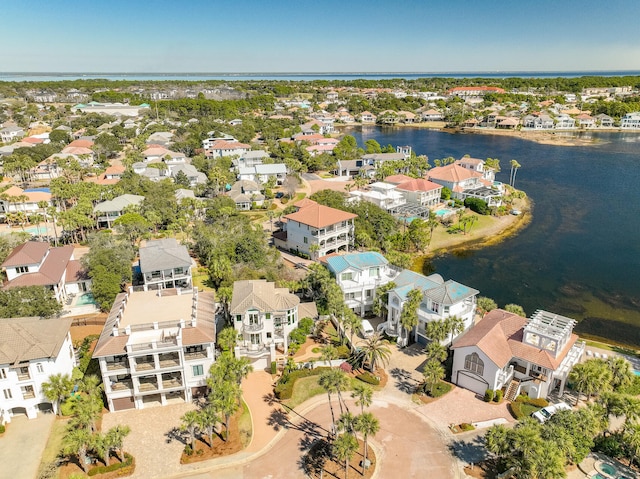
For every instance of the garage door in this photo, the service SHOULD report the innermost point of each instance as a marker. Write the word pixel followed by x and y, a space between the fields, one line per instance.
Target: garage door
pixel 121 404
pixel 260 364
pixel 473 383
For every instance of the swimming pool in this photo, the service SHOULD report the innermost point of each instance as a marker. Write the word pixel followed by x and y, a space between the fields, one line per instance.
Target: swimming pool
pixel 36 230
pixel 85 298
pixel 444 212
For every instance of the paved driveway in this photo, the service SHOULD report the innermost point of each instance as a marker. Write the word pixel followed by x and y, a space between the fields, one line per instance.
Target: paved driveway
pixel 22 445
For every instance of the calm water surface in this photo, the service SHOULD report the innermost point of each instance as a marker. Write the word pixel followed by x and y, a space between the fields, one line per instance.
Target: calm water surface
pixel 580 256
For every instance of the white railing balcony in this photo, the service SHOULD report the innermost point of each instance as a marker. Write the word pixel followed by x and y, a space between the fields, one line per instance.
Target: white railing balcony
pixel 255 327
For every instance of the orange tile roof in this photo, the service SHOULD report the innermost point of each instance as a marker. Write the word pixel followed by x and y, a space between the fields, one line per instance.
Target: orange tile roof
pixel 418 184
pixel 81 143
pixel 397 179
pixel 30 252
pixel 32 196
pixel 452 173
pixel 319 216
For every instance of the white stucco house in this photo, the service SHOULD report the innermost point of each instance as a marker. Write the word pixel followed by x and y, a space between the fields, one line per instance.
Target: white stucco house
pixel 518 355
pixel 33 349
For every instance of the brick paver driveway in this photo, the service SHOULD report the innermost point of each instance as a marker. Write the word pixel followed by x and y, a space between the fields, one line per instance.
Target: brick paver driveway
pixel 22 445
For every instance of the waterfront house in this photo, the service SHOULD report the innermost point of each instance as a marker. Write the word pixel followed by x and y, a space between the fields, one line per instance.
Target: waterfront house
pixel 465 183
pixel 367 118
pixel 32 351
pixel 263 316
pixel 586 121
pixel 564 122
pixel 165 264
pixel 440 300
pixel 479 166
pixel 538 122
pixel 630 121
pixel 35 263
pixel 420 192
pixel 156 348
pixel 518 355
pixel 432 115
pixel 604 121
pixel 359 275
pixel 109 211
pixel 383 195
pixel 316 230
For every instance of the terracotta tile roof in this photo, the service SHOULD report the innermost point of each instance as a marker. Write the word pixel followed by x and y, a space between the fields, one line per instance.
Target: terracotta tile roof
pixel 81 143
pixel 452 173
pixel 397 179
pixel 77 150
pixel 320 216
pixel 75 272
pixel 32 196
pixel 27 339
pixel 499 335
pixel 33 140
pixel 30 252
pixel 304 202
pixel 418 184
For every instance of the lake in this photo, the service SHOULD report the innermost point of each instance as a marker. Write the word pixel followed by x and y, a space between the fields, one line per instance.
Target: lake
pixel 580 256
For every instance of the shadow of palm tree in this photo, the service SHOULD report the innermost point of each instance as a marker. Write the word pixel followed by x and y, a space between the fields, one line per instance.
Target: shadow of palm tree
pixel 471 451
pixel 270 399
pixel 403 380
pixel 175 434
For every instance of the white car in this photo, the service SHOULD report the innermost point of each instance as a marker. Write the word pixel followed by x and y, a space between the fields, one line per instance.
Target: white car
pixel 546 412
pixel 367 329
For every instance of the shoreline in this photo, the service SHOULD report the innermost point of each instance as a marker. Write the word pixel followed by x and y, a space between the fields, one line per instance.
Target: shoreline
pixel 546 137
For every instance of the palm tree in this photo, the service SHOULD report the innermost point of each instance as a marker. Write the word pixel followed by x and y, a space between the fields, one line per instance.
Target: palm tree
pixel 326 382
pixel 225 399
pixel 436 350
pixel 621 372
pixel 117 435
pixel 409 313
pixel 497 440
pixel 363 394
pixel 632 439
pixel 227 338
pixel 514 169
pixel 92 385
pixel 207 420
pixel 57 389
pixel 436 330
pixel 101 443
pixel 367 425
pixel 375 350
pixel 455 325
pixel 77 442
pixel 190 425
pixel 353 322
pixel 238 369
pixel 328 354
pixel 433 372
pixel 344 447
pixel 346 422
pixel 86 411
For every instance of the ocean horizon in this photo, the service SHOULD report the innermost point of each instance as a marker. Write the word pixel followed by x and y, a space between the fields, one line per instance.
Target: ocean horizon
pixel 296 76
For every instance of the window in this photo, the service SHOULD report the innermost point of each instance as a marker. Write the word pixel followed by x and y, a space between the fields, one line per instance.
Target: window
pixel 253 317
pixel 198 370
pixel 346 276
pixel 291 316
pixel 238 317
pixel 22 269
pixel 306 240
pixel 7 394
pixel 3 374
pixel 267 315
pixel 27 392
pixel 446 310
pixel 268 335
pixel 435 307
pixel 374 272
pixel 473 363
pixel 368 293
pixel 39 368
pixel 255 338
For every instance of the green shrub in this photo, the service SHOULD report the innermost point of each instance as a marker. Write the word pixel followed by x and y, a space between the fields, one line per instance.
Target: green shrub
pixel 343 352
pixel 540 402
pixel 498 396
pixel 284 200
pixel 633 388
pixel 465 426
pixel 274 367
pixel 66 408
pixel 524 405
pixel 188 450
pixel 439 389
pixel 128 463
pixel 368 378
pixel 306 325
pixel 477 205
pixel 488 395
pixel 516 410
pixel 284 388
pixel 2 428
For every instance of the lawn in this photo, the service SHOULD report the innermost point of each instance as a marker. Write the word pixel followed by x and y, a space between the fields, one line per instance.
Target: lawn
pixel 306 388
pixel 244 425
pixel 54 444
pixel 201 279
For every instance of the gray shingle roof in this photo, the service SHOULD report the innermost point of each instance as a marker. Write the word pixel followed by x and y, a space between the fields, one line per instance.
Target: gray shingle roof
pixel 27 339
pixel 261 295
pixel 158 255
pixel 119 203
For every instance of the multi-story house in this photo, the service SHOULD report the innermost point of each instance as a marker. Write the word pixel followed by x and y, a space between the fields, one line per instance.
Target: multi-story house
pixel 421 192
pixel 316 230
pixel 262 173
pixel 440 300
pixel 156 347
pixel 165 264
pixel 565 122
pixel 15 199
pixel 220 148
pixel 109 211
pixel 251 158
pixel 383 195
pixel 505 351
pixel 10 133
pixel 477 165
pixel 465 183
pixel 631 121
pixel 358 275
pixel 33 349
pixel 263 316
pixel 35 263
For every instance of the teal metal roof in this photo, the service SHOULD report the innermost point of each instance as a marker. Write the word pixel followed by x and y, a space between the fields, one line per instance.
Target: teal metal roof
pixel 408 280
pixel 360 261
pixel 450 293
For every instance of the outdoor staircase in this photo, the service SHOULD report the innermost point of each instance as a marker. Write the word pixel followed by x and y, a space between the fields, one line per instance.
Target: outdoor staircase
pixel 512 390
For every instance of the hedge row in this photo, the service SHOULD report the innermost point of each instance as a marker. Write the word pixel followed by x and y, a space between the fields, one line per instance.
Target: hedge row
pixel 368 378
pixel 125 467
pixel 284 388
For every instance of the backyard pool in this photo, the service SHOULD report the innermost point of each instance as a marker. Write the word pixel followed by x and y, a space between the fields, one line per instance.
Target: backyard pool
pixel 444 212
pixel 85 298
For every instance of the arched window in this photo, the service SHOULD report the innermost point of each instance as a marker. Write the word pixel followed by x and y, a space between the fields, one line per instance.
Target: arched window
pixel 473 363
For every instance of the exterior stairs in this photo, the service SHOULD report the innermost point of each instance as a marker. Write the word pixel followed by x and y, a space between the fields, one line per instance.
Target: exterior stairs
pixel 512 390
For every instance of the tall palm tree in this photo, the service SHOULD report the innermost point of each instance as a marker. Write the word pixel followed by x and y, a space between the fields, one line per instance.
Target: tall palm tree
pixel 433 372
pixel 92 385
pixel 346 422
pixel 409 313
pixel 225 398
pixel 101 443
pixel 375 349
pixel 86 411
pixel 57 389
pixel 436 330
pixel 367 425
pixel 328 353
pixel 621 372
pixel 326 382
pixel 344 447
pixel 190 425
pixel 77 442
pixel 455 325
pixel 353 322
pixel 117 435
pixel 632 438
pixel 514 169
pixel 207 419
pixel 497 440
pixel 363 394
pixel 436 350
pixel 227 338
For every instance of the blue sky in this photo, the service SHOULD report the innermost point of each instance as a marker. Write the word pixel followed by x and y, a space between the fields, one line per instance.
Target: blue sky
pixel 312 36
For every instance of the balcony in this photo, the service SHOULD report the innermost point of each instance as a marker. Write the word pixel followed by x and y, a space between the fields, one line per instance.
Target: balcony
pixel 24 376
pixel 122 385
pixel 254 350
pixel 147 386
pixel 171 383
pixel 195 355
pixel 255 327
pixel 116 366
pixel 169 361
pixel 145 366
pixel 28 395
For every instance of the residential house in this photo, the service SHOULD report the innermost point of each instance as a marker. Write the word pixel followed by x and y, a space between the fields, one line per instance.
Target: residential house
pixel 586 121
pixel 157 153
pixel 518 355
pixel 564 122
pixel 263 173
pixel 479 166
pixel 538 122
pixel 316 230
pixel 383 195
pixel 604 121
pixel 35 263
pixel 111 176
pixel 245 194
pixel 631 121
pixel 11 133
pixel 159 138
pixel 465 183
pixel 15 199
pixel 367 118
pixel 194 176
pixel 440 300
pixel 420 192
pixel 359 275
pixel 208 142
pixel 32 351
pixel 220 148
pixel 263 316
pixel 251 158
pixel 165 264
pixel 466 92
pixel 109 211
pixel 156 348
pixel 115 109
pixel 432 115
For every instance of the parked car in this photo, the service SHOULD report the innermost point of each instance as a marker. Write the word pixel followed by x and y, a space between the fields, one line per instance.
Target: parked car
pixel 367 329
pixel 546 412
pixel 279 194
